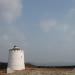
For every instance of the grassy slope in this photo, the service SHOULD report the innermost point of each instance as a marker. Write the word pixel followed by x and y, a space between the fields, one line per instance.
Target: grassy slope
pixel 44 72
pixel 34 70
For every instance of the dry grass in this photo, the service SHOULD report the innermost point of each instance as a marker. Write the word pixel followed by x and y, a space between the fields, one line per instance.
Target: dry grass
pixel 45 71
pixel 33 70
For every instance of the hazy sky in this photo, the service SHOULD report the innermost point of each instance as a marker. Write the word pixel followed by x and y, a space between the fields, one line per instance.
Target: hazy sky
pixel 45 29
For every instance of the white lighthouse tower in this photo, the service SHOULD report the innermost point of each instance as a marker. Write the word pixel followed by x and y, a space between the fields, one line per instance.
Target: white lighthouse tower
pixel 15 60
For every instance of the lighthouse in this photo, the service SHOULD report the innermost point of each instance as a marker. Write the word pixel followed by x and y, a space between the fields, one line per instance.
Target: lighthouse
pixel 15 60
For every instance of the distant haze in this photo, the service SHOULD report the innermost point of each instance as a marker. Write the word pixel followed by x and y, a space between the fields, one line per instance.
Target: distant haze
pixel 44 29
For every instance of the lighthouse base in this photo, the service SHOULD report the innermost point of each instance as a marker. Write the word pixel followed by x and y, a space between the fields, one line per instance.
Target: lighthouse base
pixel 9 70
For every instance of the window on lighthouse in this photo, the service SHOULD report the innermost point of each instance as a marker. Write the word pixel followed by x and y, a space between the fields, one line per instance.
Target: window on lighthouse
pixel 21 56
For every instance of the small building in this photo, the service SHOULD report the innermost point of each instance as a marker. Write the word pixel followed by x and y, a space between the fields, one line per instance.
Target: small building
pixel 15 60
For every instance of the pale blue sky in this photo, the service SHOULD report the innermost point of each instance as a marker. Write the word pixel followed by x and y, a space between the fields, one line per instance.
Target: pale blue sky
pixel 45 29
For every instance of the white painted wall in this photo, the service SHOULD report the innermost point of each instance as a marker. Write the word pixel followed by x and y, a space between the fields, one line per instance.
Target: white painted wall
pixel 15 60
